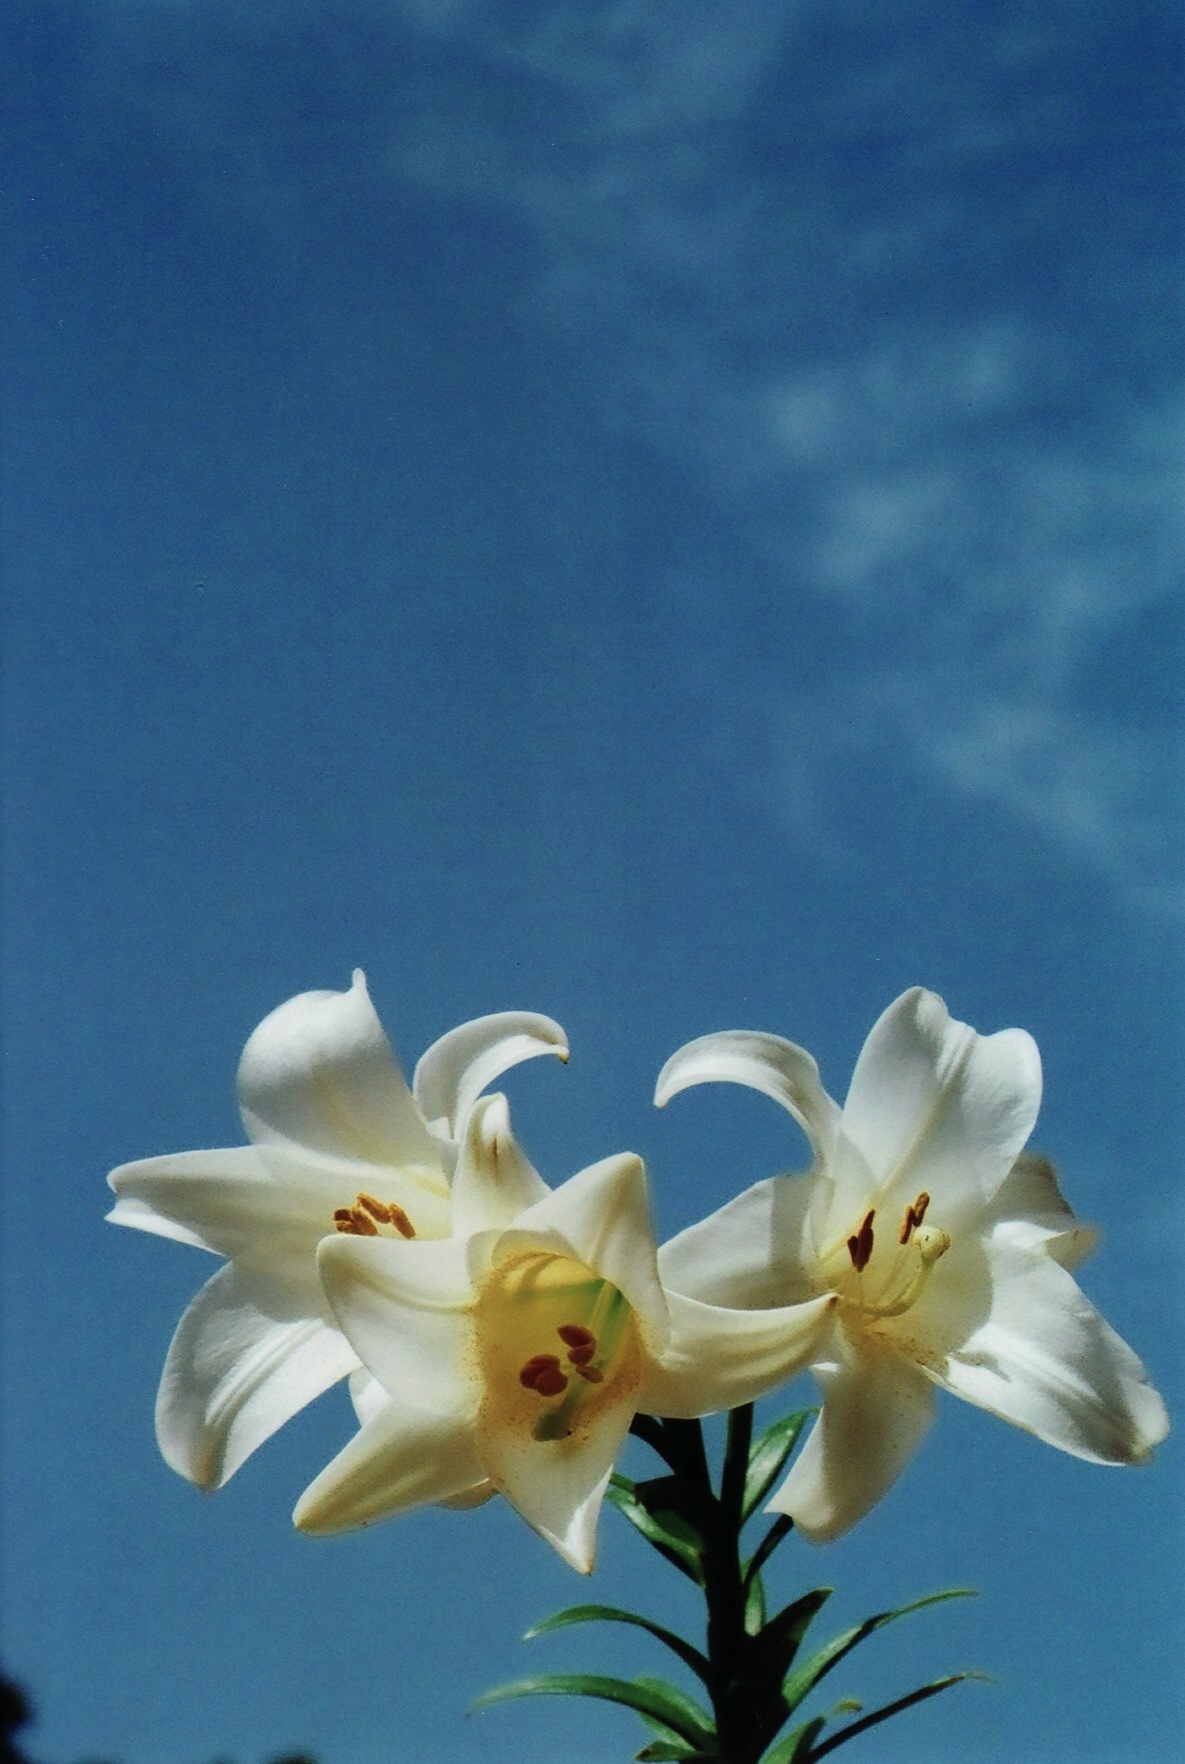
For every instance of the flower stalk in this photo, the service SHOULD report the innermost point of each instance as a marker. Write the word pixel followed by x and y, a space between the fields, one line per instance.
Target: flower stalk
pixel 749 1670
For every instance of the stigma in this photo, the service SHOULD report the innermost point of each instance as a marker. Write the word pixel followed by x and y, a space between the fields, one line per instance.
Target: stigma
pixel 368 1215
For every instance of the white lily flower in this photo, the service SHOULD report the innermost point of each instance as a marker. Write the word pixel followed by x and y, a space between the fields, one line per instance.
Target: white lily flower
pixel 339 1145
pixel 947 1247
pixel 516 1359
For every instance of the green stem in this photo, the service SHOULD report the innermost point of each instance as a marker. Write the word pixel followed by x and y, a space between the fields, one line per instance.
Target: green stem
pixel 741 1736
pixel 744 1722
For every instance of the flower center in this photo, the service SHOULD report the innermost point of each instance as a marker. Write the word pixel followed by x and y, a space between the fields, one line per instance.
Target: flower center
pixel 885 1282
pixel 557 1343
pixel 369 1217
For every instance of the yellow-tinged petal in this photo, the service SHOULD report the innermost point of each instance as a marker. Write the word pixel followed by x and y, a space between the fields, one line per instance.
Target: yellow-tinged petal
pixel 876 1412
pixel 402 1458
pixel 601 1217
pixel 719 1358
pixel 494 1180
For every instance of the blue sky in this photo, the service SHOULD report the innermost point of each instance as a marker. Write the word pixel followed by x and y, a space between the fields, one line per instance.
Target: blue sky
pixel 664 515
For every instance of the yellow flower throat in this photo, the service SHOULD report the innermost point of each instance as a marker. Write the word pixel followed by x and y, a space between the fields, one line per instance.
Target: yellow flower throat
pixel 557 1341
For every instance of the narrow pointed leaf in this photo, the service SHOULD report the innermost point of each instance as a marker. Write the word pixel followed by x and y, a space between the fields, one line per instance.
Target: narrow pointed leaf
pixel 754 1604
pixel 691 1657
pixel 795 1747
pixel 768 1457
pixel 668 1750
pixel 804 1679
pixel 894 1708
pixel 685 1706
pixel 781 1528
pixel 679 1547
pixel 774 1650
pixel 674 1713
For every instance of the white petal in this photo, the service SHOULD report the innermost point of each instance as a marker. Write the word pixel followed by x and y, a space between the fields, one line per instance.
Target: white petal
pixel 601 1216
pixel 477 1496
pixel 1032 1204
pixel 194 1197
pixel 226 1200
pixel 320 1072
pixel 766 1063
pixel 247 1355
pixel 273 1200
pixel 749 1254
pixel 494 1181
pixel 558 1485
pixel 366 1394
pixel 719 1358
pixel 453 1072
pixel 933 1106
pixel 1046 1360
pixel 400 1459
pixel 876 1410
pixel 405 1309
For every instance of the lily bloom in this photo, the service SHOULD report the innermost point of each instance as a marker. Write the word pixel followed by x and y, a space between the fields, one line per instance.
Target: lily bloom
pixel 947 1248
pixel 340 1147
pixel 514 1359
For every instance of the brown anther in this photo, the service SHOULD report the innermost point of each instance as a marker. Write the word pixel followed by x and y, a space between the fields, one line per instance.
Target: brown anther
pixel 860 1244
pixel 355 1223
pixel 580 1342
pixel 913 1217
pixel 542 1373
pixel 592 1373
pixel 400 1220
pixel 368 1213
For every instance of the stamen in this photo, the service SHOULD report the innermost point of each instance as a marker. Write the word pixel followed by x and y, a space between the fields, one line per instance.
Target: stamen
pixel 400 1220
pixel 368 1213
pixel 542 1373
pixel 355 1223
pixel 860 1244
pixel 580 1342
pixel 592 1373
pixel 913 1217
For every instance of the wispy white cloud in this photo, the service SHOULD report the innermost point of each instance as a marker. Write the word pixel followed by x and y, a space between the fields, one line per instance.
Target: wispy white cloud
pixel 803 244
pixel 961 464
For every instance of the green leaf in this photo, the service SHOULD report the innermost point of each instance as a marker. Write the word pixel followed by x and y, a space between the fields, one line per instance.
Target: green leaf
pixel 774 1650
pixel 674 1712
pixel 894 1708
pixel 795 1748
pixel 781 1528
pixel 682 1704
pixel 769 1455
pixel 685 1555
pixel 691 1657
pixel 754 1605
pixel 667 1749
pixel 801 1682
